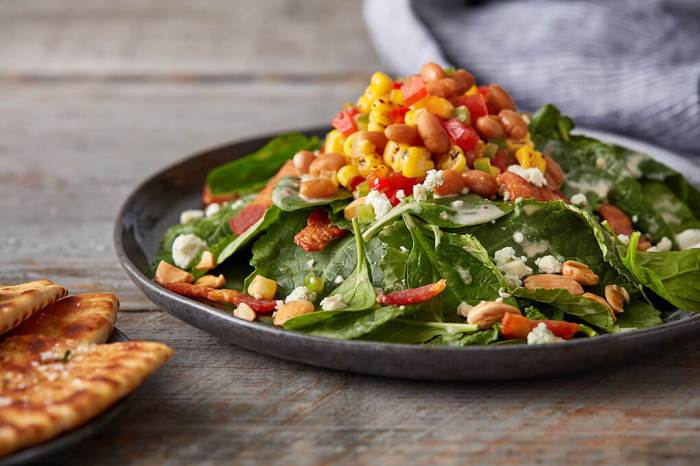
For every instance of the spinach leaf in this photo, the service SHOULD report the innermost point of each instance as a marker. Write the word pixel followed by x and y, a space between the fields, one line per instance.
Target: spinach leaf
pixel 345 324
pixel 639 314
pixel 286 196
pixel 585 309
pixel 235 243
pixel 357 290
pixel 250 173
pixel 482 337
pixel 673 275
pixel 676 213
pixel 417 331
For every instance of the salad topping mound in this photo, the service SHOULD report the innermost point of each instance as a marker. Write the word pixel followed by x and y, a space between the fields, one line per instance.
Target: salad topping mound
pixel 435 212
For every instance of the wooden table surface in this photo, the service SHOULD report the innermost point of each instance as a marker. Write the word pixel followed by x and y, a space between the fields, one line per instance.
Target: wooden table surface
pixel 96 95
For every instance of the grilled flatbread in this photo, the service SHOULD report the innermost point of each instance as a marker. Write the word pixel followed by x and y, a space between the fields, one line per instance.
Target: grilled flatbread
pixel 51 385
pixel 84 317
pixel 19 302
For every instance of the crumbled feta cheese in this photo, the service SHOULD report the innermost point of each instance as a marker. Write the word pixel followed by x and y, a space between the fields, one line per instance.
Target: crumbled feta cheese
pixel 518 237
pixel 513 268
pixel 212 209
pixel 600 163
pixel 624 238
pixel 403 249
pixel 333 303
pixel 662 246
pixel 548 264
pixel 186 248
pixel 503 295
pixel 635 218
pixel 191 215
pixel 579 199
pixel 506 195
pixel 379 202
pixel 444 215
pixel 310 263
pixel 463 309
pixel 237 204
pixel 688 239
pixel 433 179
pixel 338 279
pixel 420 194
pixel 458 204
pixel 400 195
pixel 542 335
pixel 300 293
pixel 278 304
pixel 533 175
pixel 465 190
pixel 499 300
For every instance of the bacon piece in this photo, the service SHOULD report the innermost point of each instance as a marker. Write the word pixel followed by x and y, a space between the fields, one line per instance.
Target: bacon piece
pixel 243 220
pixel 517 186
pixel 318 232
pixel 413 295
pixel 221 296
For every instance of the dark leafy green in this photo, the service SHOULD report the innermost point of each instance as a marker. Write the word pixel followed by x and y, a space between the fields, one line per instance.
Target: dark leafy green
pixel 235 243
pixel 639 314
pixel 418 331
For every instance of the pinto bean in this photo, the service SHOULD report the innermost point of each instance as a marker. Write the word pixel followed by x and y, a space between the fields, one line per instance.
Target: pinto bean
pixel 431 71
pixel 499 98
pixel 513 123
pixel 445 87
pixel 403 134
pixel 302 160
pixel 329 162
pixel 375 137
pixel 480 183
pixel 464 80
pixel 452 183
pixel 432 133
pixel 489 127
pixel 318 188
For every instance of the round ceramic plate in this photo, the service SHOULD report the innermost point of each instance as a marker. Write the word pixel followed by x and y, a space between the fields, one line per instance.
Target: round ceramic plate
pixel 157 203
pixel 42 452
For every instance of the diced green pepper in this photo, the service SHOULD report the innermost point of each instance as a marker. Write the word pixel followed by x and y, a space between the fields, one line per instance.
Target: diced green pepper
pixel 483 164
pixel 462 113
pixel 314 283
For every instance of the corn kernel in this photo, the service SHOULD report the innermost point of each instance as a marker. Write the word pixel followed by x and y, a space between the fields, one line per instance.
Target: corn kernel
pixel 472 91
pixel 392 153
pixel 371 95
pixel 437 105
pixel 262 288
pixel 453 159
pixel 351 144
pixel 346 174
pixel 379 113
pixel 380 170
pixel 334 142
pixel 411 117
pixel 396 96
pixel 525 157
pixel 539 161
pixel 365 164
pixel 364 104
pixel 495 171
pixel 381 84
pixel 415 162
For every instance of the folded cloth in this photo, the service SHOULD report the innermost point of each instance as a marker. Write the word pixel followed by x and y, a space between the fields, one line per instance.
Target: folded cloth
pixel 628 66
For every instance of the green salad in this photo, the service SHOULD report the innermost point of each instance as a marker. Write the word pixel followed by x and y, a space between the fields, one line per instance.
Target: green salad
pixel 434 212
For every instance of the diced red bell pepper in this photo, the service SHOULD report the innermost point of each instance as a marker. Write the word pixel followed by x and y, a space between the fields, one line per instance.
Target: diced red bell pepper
pixel 413 295
pixel 377 183
pixel 344 121
pixel 223 296
pixel 461 134
pixel 398 84
pixel 246 218
pixel 355 181
pixel 500 160
pixel 399 182
pixel 516 327
pixel 398 114
pixel 413 90
pixel 476 105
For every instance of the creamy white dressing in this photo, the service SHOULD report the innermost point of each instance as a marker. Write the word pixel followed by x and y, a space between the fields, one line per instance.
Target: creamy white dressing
pixel 632 164
pixel 471 216
pixel 530 209
pixel 464 274
pixel 599 187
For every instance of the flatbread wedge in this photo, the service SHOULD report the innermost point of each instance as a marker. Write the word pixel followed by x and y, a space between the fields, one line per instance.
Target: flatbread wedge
pixel 19 302
pixel 85 317
pixel 51 385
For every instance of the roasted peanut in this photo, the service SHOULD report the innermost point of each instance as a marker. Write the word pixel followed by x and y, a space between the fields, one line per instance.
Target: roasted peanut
pixel 579 272
pixel 302 160
pixel 245 312
pixel 351 210
pixel 513 123
pixel 318 188
pixel 553 174
pixel 292 309
pixel 643 243
pixel 489 127
pixel 403 134
pixel 479 182
pixel 598 299
pixel 487 313
pixel 434 136
pixel 617 296
pixel 212 281
pixel 452 183
pixel 499 98
pixel 326 163
pixel 550 281
pixel 206 262
pixel 432 71
pixel 375 137
pixel 168 273
pixel 464 80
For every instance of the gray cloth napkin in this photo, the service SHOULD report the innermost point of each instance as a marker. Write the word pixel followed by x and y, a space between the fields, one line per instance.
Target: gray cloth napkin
pixel 625 66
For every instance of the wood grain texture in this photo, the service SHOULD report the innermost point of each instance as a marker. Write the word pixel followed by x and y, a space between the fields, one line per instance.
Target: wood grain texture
pixel 96 95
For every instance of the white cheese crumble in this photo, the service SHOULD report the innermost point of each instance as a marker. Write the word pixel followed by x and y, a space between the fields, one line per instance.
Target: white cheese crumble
pixel 463 309
pixel 533 175
pixel 433 179
pixel 333 303
pixel 502 294
pixel 191 215
pixel 278 304
pixel 513 268
pixel 635 218
pixel 579 199
pixel 506 195
pixel 186 248
pixel 379 202
pixel 688 239
pixel 338 279
pixel 300 293
pixel 624 238
pixel 237 204
pixel 403 249
pixel 548 264
pixel 212 209
pixel 458 204
pixel 632 164
pixel 542 335
pixel 400 195
pixel 444 215
pixel 662 246
pixel 420 194
pixel 310 263
pixel 518 237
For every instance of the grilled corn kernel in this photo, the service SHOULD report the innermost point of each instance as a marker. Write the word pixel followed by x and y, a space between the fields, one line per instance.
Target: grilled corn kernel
pixel 527 157
pixel 346 174
pixel 371 95
pixel 380 170
pixel 379 113
pixel 540 161
pixel 365 164
pixel 374 126
pixel 364 104
pixel 381 84
pixel 411 117
pixel 262 288
pixel 437 105
pixel 415 162
pixel 362 120
pixel 514 144
pixel 453 159
pixel 334 142
pixel 392 153
pixel 472 91
pixel 396 96
pixel 351 144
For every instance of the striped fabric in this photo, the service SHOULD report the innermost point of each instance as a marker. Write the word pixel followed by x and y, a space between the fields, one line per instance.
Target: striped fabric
pixel 623 66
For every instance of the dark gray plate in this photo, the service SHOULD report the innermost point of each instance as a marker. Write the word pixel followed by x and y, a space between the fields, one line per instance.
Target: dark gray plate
pixel 156 204
pixel 43 452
